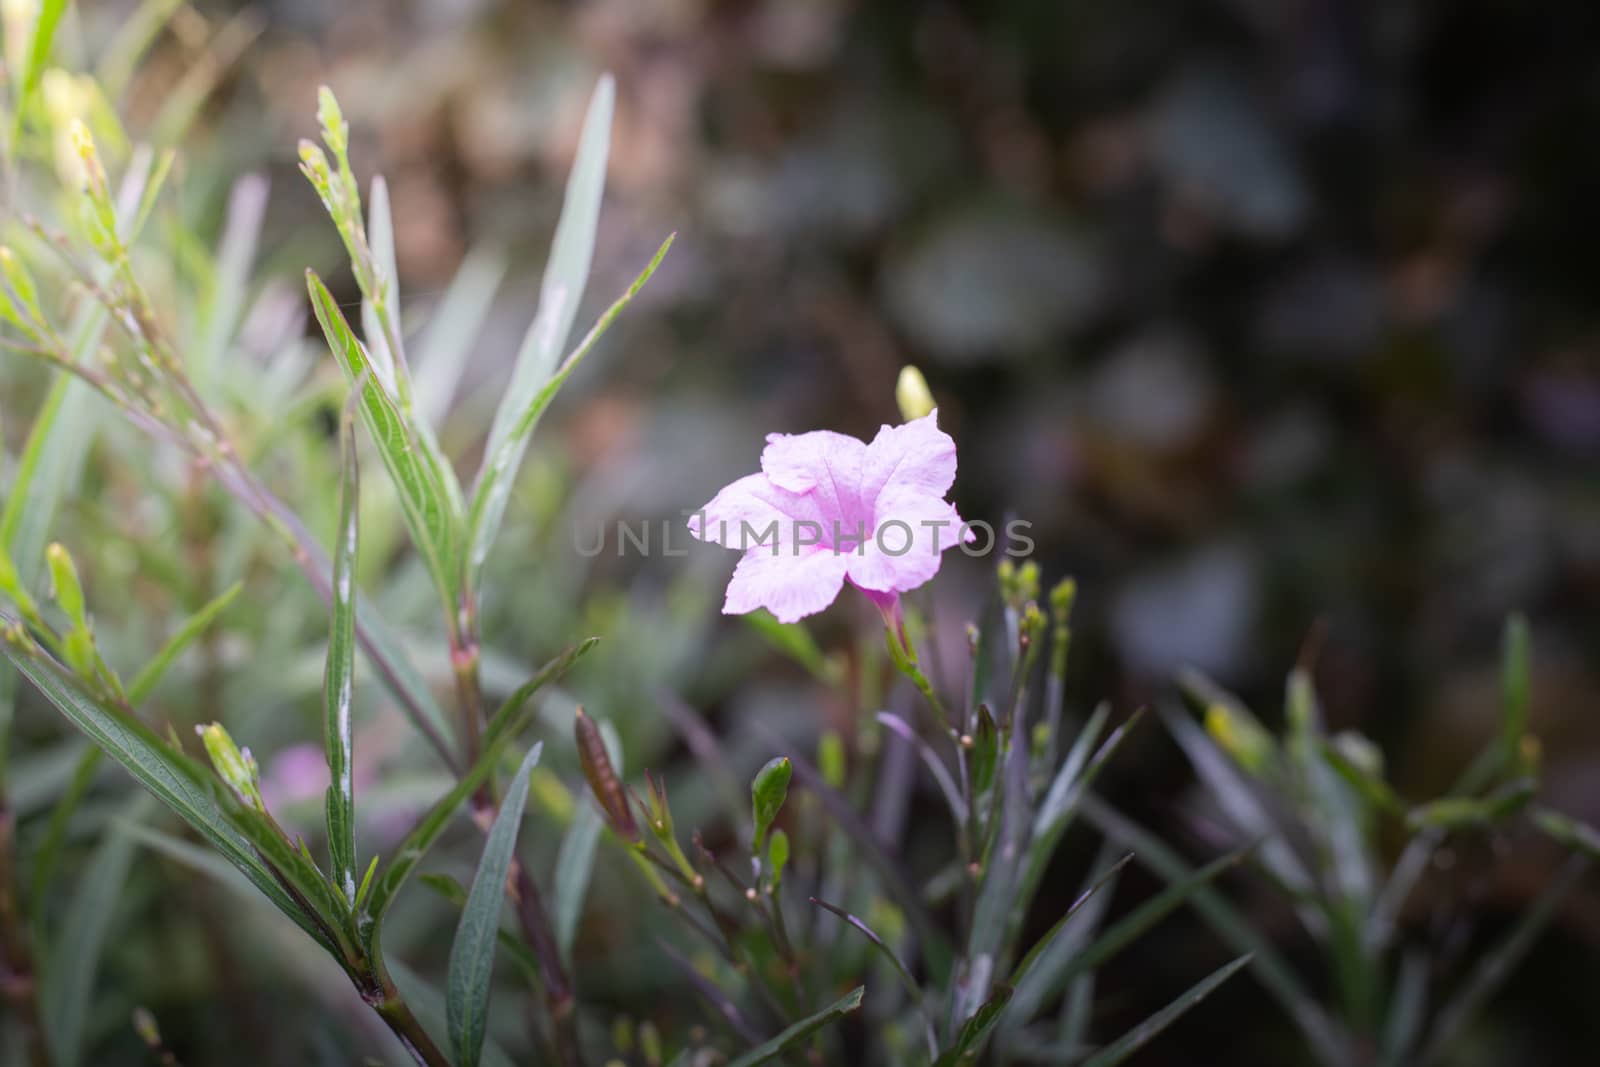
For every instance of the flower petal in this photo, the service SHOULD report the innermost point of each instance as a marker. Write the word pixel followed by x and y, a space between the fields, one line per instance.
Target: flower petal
pixel 911 534
pixel 748 511
pixel 823 463
pixel 789 586
pixel 914 455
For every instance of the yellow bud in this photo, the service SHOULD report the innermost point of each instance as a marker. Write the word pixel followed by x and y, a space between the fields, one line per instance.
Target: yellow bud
pixel 911 392
pixel 235 766
pixel 1240 736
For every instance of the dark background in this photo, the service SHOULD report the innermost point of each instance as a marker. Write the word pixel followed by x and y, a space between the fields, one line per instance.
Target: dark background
pixel 1277 320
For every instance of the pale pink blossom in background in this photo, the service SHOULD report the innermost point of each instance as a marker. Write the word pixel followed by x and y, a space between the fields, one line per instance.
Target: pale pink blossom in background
pixel 874 514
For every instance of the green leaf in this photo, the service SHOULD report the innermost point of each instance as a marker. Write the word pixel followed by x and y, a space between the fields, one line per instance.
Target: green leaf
pixel 930 758
pixel 794 1035
pixel 452 329
pixel 472 952
pixel 566 272
pixel 48 855
pixel 173 778
pixel 1067 790
pixel 456 894
pixel 1141 1035
pixel 424 499
pixel 1374 790
pixel 509 721
pixel 1407 1006
pixel 985 752
pixel 1325 1040
pixel 44 33
pixel 574 865
pixel 767 793
pixel 794 641
pixel 505 457
pixel 894 961
pixel 69 979
pixel 1034 974
pixel 1127 930
pixel 145 682
pixel 338 681
pixel 1516 687
pixel 974 1033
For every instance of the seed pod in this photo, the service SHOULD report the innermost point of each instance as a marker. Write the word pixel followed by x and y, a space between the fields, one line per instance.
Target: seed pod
pixel 602 778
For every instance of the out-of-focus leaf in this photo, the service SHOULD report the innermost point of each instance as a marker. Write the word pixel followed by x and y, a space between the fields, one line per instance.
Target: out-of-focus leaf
pixel 145 682
pixel 44 35
pixel 566 272
pixel 1496 965
pixel 796 642
pixel 868 848
pixel 1240 801
pixel 500 466
pixel 1033 975
pixel 425 501
pixel 338 680
pixel 506 724
pixel 1134 1040
pixel 1578 836
pixel 1516 687
pixel 472 952
pixel 1373 790
pixel 174 779
pixel 888 953
pixel 574 865
pixel 1407 1006
pixel 1326 1042
pixel 985 752
pixel 1131 927
pixel 247 207
pixel 452 329
pixel 75 958
pixel 1060 804
pixel 930 758
pixel 1454 813
pixel 794 1035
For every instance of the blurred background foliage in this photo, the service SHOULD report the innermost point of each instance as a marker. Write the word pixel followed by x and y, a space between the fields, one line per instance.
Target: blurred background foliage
pixel 1270 318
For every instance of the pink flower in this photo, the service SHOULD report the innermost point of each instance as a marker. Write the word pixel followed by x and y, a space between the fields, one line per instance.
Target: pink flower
pixel 827 507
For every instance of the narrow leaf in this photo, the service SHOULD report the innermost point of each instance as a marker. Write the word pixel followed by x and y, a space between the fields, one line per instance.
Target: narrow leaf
pixel 424 498
pixel 506 724
pixel 1141 1035
pixel 503 459
pixel 145 682
pixel 175 780
pixel 974 1033
pixel 338 681
pixel 930 759
pixel 472 952
pixel 574 865
pixel 566 273
pixel 794 1035
pixel 74 962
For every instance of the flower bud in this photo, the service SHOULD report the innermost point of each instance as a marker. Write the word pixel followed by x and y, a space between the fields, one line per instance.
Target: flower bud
pixel 912 394
pixel 1240 736
pixel 235 766
pixel 767 793
pixel 602 777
